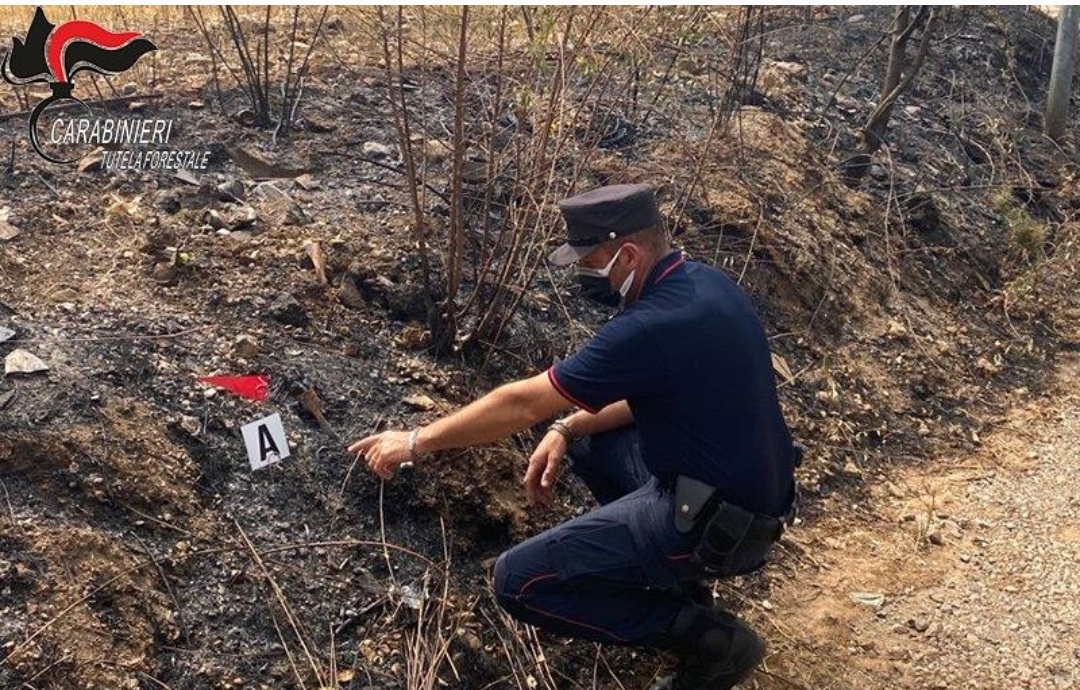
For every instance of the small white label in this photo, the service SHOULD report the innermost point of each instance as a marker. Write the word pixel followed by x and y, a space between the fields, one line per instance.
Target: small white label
pixel 265 441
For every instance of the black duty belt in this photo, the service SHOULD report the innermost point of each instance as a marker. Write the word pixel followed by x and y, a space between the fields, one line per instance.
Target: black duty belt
pixel 696 502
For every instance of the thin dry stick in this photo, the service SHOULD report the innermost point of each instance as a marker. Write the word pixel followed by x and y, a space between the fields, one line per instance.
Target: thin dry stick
pixel 283 121
pixel 283 602
pixel 109 338
pixel 288 652
pixel 333 659
pixel 168 587
pixel 141 514
pixel 63 612
pixel 155 681
pixel 611 672
pixel 382 535
pixel 346 543
pixel 506 648
pixel 11 509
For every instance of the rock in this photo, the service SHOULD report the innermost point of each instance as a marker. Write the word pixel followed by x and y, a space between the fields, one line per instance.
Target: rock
pixel 918 624
pixel 231 189
pixel 318 126
pixel 245 346
pixel 872 599
pixel 878 173
pixel 136 106
pixel 216 220
pixel 856 18
pixel 258 167
pixel 187 177
pixel 987 367
pixel 349 291
pixel 165 273
pixel 6 334
pixel 414 337
pixel 407 301
pixel 245 116
pixel 436 151
pixel 167 200
pixel 8 231
pixel 23 362
pixel 307 182
pixel 419 402
pixel 377 151
pixel 472 641
pixel 243 217
pixel 91 161
pixel 196 105
pixel 295 215
pixel 286 309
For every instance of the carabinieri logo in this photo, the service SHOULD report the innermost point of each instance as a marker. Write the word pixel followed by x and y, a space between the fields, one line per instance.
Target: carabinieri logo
pixel 55 54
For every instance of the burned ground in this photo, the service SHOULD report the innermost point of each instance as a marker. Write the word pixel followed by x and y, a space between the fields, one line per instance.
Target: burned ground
pixel 138 550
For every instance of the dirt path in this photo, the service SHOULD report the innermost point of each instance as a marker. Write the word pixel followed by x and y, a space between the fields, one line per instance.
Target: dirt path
pixel 962 574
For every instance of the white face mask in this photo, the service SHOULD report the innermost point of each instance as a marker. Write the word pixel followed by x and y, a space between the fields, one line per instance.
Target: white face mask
pixel 599 289
pixel 625 287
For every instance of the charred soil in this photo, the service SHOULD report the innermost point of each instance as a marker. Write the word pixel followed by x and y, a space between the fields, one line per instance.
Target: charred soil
pixel 909 317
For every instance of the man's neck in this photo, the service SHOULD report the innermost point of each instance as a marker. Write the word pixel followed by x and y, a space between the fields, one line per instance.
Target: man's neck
pixel 644 271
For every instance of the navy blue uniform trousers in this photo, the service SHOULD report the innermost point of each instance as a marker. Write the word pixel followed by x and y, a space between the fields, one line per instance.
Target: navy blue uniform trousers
pixel 611 575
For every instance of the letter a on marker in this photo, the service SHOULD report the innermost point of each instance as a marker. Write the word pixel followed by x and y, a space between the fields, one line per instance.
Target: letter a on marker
pixel 265 441
pixel 267 445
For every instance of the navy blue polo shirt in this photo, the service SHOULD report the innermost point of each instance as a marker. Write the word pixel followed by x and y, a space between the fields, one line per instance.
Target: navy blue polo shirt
pixel 691 358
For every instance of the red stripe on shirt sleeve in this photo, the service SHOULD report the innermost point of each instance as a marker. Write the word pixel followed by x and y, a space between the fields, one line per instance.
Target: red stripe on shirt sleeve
pixel 566 394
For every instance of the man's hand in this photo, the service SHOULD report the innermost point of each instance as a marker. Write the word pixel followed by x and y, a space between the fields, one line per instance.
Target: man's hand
pixel 544 468
pixel 384 452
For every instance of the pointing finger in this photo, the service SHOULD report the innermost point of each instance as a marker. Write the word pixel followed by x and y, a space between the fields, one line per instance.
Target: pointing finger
pixel 363 444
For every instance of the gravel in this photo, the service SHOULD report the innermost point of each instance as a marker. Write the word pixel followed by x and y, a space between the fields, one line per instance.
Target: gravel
pixel 1007 614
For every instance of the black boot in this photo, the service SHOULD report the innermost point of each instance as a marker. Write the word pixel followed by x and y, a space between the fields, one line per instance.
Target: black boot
pixel 697 591
pixel 716 650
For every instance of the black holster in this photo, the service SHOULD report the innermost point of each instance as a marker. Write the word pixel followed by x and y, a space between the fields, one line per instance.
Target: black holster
pixel 732 540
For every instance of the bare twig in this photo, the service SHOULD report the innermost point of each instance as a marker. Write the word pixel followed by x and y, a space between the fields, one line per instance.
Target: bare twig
pixel 168 587
pixel 382 535
pixel 283 602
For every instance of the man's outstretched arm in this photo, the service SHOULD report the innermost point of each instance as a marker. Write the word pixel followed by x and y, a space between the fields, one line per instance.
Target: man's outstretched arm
pixel 504 411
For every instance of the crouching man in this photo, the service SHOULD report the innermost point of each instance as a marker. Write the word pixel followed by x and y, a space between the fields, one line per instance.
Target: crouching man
pixel 678 434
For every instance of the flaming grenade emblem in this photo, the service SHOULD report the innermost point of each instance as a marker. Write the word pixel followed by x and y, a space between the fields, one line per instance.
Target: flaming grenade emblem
pixel 55 54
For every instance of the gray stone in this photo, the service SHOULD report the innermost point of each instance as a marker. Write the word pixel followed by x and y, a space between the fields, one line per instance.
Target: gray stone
pixel 286 309
pixel 231 189
pixel 23 362
pixel 374 149
pixel 246 346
